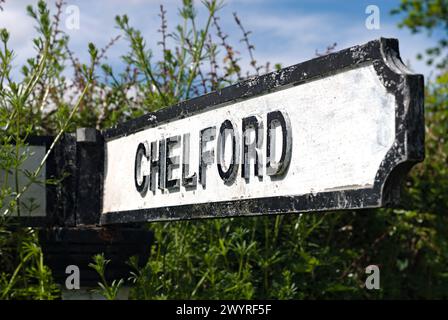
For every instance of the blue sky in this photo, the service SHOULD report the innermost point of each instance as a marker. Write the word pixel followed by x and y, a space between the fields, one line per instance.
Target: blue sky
pixel 284 31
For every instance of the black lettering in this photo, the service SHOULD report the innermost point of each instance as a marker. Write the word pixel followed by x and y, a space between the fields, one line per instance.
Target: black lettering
pixel 141 180
pixel 205 157
pixel 171 163
pixel 189 182
pixel 157 165
pixel 228 176
pixel 277 118
pixel 252 149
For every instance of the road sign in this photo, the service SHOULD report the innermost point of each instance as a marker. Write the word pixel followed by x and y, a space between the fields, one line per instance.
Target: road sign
pixel 336 132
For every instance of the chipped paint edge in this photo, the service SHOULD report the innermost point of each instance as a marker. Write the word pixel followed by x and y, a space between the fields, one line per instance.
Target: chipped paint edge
pixel 407 150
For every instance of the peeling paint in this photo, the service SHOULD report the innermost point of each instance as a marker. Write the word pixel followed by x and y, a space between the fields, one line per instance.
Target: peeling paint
pixel 398 146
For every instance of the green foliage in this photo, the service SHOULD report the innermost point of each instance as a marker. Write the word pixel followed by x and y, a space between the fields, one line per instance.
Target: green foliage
pixel 22 105
pixel 24 274
pixel 430 16
pixel 307 256
pixel 99 264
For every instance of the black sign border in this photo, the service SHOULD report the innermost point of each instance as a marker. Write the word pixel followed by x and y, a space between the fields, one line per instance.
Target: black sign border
pixel 407 149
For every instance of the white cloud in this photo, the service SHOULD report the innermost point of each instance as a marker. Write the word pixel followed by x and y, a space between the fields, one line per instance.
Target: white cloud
pixel 20 26
pixel 294 38
pixel 286 38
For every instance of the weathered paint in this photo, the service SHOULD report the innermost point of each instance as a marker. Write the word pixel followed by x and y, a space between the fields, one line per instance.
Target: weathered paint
pixel 354 124
pixel 357 127
pixel 339 138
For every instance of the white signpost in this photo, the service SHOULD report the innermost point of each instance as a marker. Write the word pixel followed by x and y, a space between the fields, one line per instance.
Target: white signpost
pixel 335 132
pixel 336 144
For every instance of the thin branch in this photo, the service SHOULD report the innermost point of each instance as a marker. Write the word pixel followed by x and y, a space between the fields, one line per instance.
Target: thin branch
pixel 198 52
pixel 330 49
pixel 250 47
pixel 163 31
pixel 53 144
pixel 230 52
